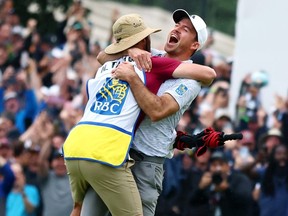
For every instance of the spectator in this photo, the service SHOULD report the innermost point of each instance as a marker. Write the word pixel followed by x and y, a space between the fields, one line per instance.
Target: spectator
pixel 190 205
pixel 274 187
pixel 222 120
pixel 6 150
pixel 250 101
pixel 256 124
pixel 245 153
pixel 31 170
pixel 270 139
pixel 249 142
pixel 3 60
pixel 7 179
pixel 206 117
pixel 23 199
pixel 5 34
pixel 218 95
pixel 227 192
pixel 77 13
pixel 19 99
pixel 10 131
pixel 3 131
pixel 280 116
pixel 57 199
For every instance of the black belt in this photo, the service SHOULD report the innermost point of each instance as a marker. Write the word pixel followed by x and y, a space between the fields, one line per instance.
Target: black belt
pixel 139 156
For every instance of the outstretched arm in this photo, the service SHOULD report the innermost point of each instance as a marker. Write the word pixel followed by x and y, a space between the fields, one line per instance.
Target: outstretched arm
pixel 142 58
pixel 102 57
pixel 156 107
pixel 201 73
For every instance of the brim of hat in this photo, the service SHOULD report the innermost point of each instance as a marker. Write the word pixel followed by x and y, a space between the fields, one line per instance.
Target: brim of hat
pixel 179 14
pixel 129 41
pixel 264 137
pixel 224 117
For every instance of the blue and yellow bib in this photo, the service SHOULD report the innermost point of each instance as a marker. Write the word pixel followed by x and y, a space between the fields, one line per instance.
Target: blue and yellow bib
pixel 105 132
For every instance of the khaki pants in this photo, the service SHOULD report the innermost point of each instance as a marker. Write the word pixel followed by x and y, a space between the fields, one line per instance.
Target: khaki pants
pixel 115 186
pixel 148 176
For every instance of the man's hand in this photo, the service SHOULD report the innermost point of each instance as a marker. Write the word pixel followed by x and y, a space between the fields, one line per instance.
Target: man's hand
pixel 206 180
pixel 224 185
pixel 125 71
pixel 142 58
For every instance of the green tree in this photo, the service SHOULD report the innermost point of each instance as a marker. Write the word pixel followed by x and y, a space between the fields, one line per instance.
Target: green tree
pixel 218 14
pixel 43 14
pixel 221 15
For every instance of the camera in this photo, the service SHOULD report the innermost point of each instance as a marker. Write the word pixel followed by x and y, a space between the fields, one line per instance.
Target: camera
pixel 217 178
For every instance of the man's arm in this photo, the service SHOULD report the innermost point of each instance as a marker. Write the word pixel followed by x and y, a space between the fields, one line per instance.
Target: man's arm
pixel 142 58
pixel 102 57
pixel 154 106
pixel 203 74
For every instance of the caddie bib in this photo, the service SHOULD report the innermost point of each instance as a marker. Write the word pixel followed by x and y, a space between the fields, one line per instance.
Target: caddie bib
pixel 105 131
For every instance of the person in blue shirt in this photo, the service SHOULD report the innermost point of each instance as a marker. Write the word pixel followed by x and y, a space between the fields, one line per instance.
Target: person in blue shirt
pixel 18 98
pixel 24 199
pixel 7 179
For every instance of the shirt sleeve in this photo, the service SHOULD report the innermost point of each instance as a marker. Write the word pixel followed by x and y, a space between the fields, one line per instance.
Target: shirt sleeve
pixel 31 105
pixel 164 66
pixel 32 195
pixel 184 91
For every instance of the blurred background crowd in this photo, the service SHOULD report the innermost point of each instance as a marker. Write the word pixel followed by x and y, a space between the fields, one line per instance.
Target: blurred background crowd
pixel 42 96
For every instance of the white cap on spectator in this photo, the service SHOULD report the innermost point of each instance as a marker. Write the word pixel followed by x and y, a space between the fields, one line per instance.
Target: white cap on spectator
pixel 10 95
pixel 273 132
pixel 222 113
pixel 57 53
pixel 17 30
pixel 54 90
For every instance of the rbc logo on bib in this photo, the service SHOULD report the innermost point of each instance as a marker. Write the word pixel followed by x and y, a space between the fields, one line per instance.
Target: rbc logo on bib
pixel 111 97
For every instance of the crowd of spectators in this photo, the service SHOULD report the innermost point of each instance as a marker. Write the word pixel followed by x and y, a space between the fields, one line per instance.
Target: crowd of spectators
pixel 42 96
pixel 247 177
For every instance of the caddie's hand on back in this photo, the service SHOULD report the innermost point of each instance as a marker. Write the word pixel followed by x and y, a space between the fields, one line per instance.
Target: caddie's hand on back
pixel 142 58
pixel 125 71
